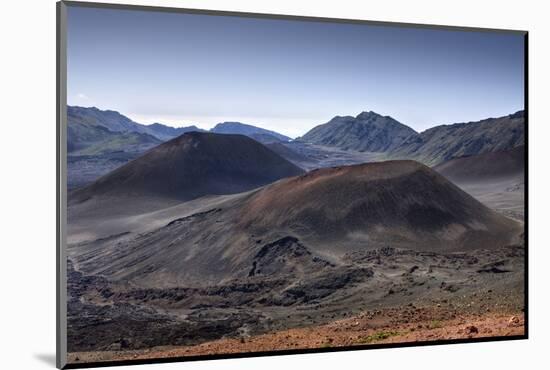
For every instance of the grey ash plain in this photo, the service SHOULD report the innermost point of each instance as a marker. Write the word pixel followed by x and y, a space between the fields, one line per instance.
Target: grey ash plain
pixel 219 235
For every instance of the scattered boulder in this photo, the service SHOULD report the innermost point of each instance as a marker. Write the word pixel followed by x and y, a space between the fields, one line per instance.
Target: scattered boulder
pixel 513 321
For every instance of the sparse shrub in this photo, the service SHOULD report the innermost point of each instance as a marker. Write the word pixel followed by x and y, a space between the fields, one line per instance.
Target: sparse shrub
pixel 378 336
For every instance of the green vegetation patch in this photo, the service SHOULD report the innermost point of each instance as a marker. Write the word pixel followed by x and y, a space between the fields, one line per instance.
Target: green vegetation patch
pixel 378 336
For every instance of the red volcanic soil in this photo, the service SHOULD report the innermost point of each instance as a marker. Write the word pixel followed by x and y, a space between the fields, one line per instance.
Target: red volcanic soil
pixel 376 327
pixel 402 199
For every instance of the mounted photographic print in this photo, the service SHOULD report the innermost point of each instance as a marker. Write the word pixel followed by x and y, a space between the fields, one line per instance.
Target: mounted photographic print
pixel 234 184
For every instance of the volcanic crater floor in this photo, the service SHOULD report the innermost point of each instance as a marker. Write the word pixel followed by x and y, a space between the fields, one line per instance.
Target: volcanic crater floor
pixel 385 295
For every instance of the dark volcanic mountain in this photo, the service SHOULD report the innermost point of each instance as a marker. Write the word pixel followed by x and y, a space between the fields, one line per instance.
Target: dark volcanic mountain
pixel 257 133
pixel 100 141
pixel 193 165
pixel 402 203
pixel 445 142
pixel 368 132
pixel 488 166
pixel 317 218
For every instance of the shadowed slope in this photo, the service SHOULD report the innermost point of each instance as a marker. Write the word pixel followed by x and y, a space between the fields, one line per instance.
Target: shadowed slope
pixel 193 165
pixel 487 166
pixel 287 153
pixel 497 179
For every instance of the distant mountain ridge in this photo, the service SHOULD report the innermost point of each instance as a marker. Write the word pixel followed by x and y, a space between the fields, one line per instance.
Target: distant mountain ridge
pixel 109 119
pixel 116 122
pixel 94 132
pixel 441 143
pixel 371 132
pixel 368 131
pixel 254 132
pixel 164 132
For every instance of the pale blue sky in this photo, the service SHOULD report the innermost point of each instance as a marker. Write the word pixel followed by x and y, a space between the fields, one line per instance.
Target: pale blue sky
pixel 287 76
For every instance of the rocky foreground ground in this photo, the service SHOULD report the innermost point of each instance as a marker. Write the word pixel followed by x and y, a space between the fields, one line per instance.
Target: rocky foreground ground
pixel 406 325
pixel 383 296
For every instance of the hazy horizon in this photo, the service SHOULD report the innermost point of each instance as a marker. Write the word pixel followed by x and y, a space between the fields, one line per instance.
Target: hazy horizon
pixel 207 128
pixel 286 75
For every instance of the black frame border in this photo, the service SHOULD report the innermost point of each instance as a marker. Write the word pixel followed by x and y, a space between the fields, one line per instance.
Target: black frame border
pixel 61 191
